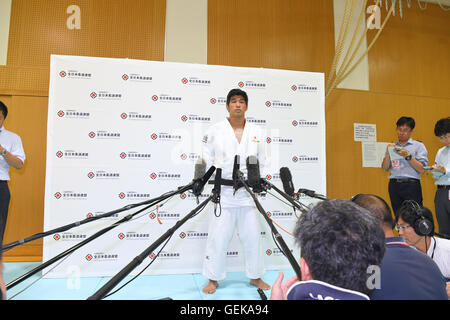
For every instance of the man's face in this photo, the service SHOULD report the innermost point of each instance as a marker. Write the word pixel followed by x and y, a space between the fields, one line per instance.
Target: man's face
pixel 406 231
pixel 237 107
pixel 2 119
pixel 445 139
pixel 404 132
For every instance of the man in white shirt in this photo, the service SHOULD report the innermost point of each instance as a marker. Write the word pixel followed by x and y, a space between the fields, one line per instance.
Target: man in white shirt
pixel 11 155
pixel 221 143
pixel 441 172
pixel 416 226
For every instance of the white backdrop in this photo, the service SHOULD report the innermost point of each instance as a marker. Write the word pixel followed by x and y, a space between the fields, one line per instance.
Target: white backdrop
pixel 123 131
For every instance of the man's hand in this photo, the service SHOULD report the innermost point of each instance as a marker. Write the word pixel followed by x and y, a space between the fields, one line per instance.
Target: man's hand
pixel 280 289
pixel 439 168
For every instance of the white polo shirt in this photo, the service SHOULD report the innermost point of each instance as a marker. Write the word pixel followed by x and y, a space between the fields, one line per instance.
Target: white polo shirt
pixel 439 251
pixel 13 144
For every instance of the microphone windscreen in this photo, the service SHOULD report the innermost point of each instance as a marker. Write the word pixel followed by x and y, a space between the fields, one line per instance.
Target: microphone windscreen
pixel 199 169
pixel 253 174
pixel 236 167
pixel 286 179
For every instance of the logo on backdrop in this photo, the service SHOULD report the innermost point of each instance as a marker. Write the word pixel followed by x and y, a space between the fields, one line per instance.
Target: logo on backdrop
pixel 190 235
pixel 275 252
pixel 257 121
pixel 280 140
pixel 137 116
pixel 164 215
pixel 278 104
pixel 70 195
pixel 103 175
pixel 303 123
pixel 75 74
pixel 273 177
pixel 72 154
pixel 219 101
pixel 131 235
pixel 133 195
pixel 135 77
pixel 194 118
pixel 101 256
pixel 101 134
pixel 166 255
pixel 68 236
pixel 190 156
pixel 279 214
pixel 303 159
pixel 163 137
pixel 105 95
pixel 133 155
pixel 248 84
pixel 166 98
pixel 195 81
pixel 304 88
pixel 165 176
pixel 73 114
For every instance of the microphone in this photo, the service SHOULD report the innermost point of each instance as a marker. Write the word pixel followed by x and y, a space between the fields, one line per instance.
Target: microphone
pixel 286 179
pixel 216 190
pixel 311 193
pixel 236 167
pixel 200 177
pixel 253 174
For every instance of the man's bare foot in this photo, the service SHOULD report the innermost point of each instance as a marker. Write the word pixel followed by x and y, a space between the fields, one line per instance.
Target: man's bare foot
pixel 260 284
pixel 210 288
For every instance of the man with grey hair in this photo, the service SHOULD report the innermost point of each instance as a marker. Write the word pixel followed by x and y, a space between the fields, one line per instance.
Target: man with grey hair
pixel 338 242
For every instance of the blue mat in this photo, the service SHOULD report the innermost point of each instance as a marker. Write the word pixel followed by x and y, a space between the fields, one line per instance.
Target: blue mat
pixel 177 287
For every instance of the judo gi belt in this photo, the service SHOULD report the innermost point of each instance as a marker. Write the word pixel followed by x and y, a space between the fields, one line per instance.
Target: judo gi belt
pixel 230 183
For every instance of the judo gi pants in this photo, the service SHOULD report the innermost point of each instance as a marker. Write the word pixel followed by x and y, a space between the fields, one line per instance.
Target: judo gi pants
pixel 220 233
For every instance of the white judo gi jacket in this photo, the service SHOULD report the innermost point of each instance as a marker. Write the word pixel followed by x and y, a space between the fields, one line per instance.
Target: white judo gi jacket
pixel 220 146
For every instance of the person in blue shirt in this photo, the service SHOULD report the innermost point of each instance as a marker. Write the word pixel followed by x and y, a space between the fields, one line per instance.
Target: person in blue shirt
pixel 406 273
pixel 441 172
pixel 405 171
pixel 11 155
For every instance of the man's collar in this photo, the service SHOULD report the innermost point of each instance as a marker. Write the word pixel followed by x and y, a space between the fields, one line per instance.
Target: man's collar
pixel 410 141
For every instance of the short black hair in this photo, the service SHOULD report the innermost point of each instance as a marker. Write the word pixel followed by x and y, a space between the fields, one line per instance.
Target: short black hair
pixel 3 109
pixel 406 121
pixel 339 240
pixel 411 211
pixel 237 92
pixel 377 206
pixel 442 127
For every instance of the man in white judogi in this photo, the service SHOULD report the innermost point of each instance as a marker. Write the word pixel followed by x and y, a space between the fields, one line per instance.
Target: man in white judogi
pixel 222 141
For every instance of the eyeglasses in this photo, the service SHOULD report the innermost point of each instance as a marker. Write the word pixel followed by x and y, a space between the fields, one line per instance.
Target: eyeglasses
pixel 403 227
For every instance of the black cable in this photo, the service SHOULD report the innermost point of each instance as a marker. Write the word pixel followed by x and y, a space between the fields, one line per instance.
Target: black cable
pixel 154 259
pixel 134 278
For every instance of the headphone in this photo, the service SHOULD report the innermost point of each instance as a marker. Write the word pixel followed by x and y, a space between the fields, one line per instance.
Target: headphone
pixel 422 225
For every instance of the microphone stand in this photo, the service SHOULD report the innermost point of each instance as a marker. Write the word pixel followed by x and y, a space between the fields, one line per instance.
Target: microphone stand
pixel 278 237
pixel 98 234
pixel 297 204
pixel 101 293
pixel 72 225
